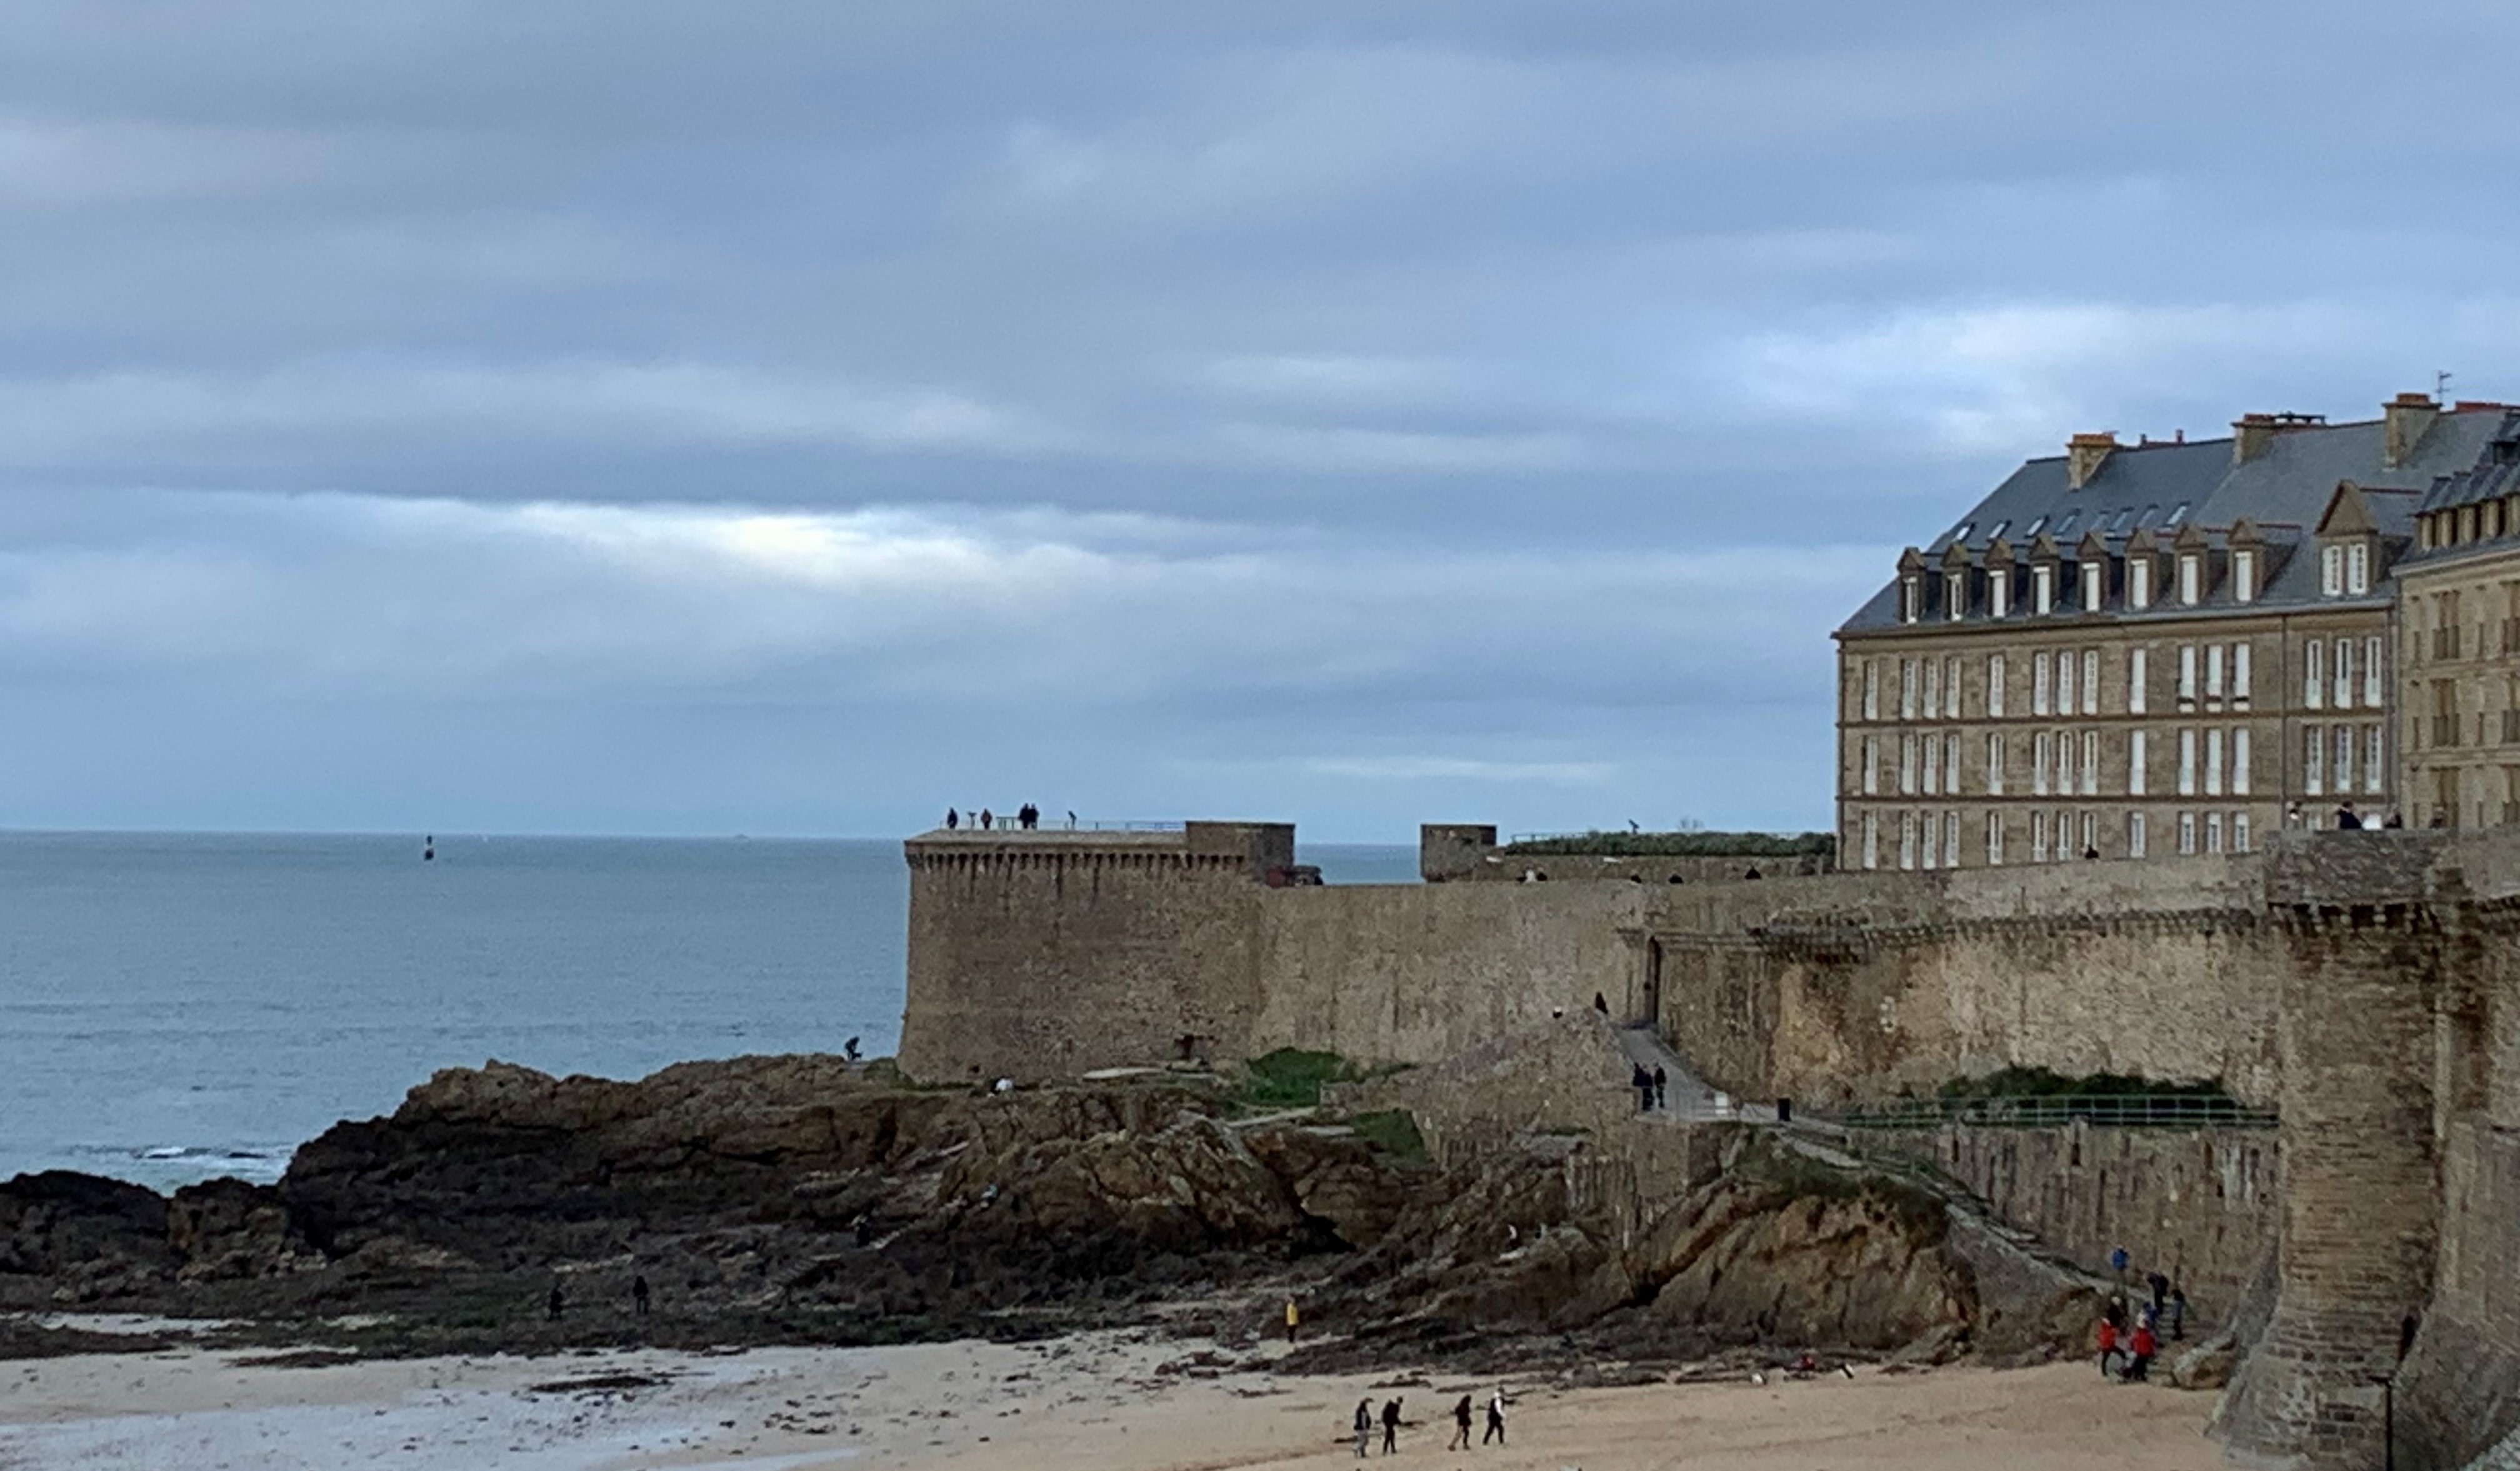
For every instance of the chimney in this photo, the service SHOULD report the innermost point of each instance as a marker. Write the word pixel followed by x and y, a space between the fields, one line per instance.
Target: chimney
pixel 2083 453
pixel 2251 433
pixel 2406 417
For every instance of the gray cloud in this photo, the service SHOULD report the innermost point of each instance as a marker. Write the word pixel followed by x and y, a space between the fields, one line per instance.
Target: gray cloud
pixel 769 416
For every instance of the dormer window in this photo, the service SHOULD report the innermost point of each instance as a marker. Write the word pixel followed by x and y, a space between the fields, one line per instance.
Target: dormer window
pixel 1999 593
pixel 2138 582
pixel 1955 596
pixel 2244 577
pixel 2095 579
pixel 2192 579
pixel 2358 568
pixel 1909 595
pixel 2043 590
pixel 2331 570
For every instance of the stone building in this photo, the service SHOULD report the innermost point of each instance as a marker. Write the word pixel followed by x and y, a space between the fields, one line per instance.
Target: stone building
pixel 2129 651
pixel 2458 646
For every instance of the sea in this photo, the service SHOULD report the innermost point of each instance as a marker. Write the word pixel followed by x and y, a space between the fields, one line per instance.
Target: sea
pixel 176 1006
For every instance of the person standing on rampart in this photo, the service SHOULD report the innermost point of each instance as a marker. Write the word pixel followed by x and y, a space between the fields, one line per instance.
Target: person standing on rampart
pixel 1642 1082
pixel 1661 1088
pixel 953 820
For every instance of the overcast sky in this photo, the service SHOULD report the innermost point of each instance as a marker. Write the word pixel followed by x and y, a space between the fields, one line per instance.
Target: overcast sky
pixel 796 418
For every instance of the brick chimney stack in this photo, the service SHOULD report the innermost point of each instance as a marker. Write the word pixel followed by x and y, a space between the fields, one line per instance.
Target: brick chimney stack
pixel 2251 433
pixel 2084 455
pixel 2406 418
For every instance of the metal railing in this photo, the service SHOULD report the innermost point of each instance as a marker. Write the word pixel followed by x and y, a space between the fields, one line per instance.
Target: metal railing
pixel 2049 1110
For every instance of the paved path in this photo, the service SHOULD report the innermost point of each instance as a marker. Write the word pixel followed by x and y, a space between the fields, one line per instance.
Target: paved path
pixel 1687 1096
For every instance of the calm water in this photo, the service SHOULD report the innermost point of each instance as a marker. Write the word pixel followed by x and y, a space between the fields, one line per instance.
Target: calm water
pixel 174 1006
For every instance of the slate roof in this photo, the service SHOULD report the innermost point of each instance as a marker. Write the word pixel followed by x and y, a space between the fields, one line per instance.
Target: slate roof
pixel 2284 490
pixel 2495 476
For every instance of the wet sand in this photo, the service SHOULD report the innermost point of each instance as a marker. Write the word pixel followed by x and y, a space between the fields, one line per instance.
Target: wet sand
pixel 1092 1403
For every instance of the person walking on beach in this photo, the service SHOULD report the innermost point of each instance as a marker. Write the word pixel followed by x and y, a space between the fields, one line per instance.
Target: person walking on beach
pixel 2108 1344
pixel 2144 1346
pixel 1391 1425
pixel 1364 1426
pixel 1460 1440
pixel 639 1294
pixel 1496 1418
pixel 1290 1321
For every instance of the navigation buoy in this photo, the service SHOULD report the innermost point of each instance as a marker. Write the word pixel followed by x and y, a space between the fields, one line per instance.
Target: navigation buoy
pixel 429 848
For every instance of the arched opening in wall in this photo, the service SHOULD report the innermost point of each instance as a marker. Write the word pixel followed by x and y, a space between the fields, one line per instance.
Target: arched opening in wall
pixel 1649 1001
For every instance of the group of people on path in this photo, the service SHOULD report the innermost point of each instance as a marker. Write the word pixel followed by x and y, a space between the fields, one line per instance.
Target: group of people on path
pixel 1027 817
pixel 1462 1413
pixel 2127 1351
pixel 1653 1089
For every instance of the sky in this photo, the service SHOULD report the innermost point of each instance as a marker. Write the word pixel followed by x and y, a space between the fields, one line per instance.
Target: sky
pixel 799 418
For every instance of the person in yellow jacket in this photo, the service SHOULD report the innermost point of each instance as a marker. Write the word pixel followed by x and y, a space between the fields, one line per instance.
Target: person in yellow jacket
pixel 1290 1319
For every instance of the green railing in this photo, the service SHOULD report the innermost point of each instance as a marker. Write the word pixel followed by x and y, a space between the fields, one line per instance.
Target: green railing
pixel 2049 1110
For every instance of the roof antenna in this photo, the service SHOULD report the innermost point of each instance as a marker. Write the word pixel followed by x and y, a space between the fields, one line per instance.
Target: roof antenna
pixel 2440 386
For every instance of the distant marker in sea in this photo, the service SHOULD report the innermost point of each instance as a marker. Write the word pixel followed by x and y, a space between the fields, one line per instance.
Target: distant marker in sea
pixel 429 848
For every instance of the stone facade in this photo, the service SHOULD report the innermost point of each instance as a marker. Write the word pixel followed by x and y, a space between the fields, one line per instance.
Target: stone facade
pixel 2458 639
pixel 2131 651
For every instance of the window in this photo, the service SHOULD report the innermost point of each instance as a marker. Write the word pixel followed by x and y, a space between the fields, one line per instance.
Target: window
pixel 2371 664
pixel 2090 763
pixel 2240 832
pixel 1907 840
pixel 1871 692
pixel 2244 577
pixel 2090 682
pixel 2064 682
pixel 1994 839
pixel 2135 834
pixel 2188 833
pixel 1995 686
pixel 2136 677
pixel 2134 763
pixel 2313 760
pixel 1994 765
pixel 2214 671
pixel 2344 759
pixel 2187 676
pixel 2344 671
pixel 2188 763
pixel 2090 847
pixel 1933 766
pixel 2064 762
pixel 2192 580
pixel 2039 837
pixel 2240 761
pixel 1952 763
pixel 2177 513
pixel 1999 593
pixel 2358 568
pixel 1952 686
pixel 1930 851
pixel 2040 746
pixel 2093 577
pixel 1933 688
pixel 1871 841
pixel 2240 675
pixel 2043 590
pixel 1951 840
pixel 2213 832
pixel 2331 570
pixel 2375 768
pixel 1956 594
pixel 2038 684
pixel 1963 534
pixel 2314 678
pixel 2138 582
pixel 1869 778
pixel 1907 689
pixel 1907 763
pixel 2213 763
pixel 1907 594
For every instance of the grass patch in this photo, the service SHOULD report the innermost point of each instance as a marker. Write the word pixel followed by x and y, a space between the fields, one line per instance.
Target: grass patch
pixel 1393 1130
pixel 1679 845
pixel 2039 1082
pixel 1291 1078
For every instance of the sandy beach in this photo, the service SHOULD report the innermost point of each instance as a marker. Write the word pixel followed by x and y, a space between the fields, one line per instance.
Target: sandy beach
pixel 1111 1403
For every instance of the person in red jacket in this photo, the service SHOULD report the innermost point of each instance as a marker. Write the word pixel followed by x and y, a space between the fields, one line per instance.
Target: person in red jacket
pixel 2108 1345
pixel 2144 1347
